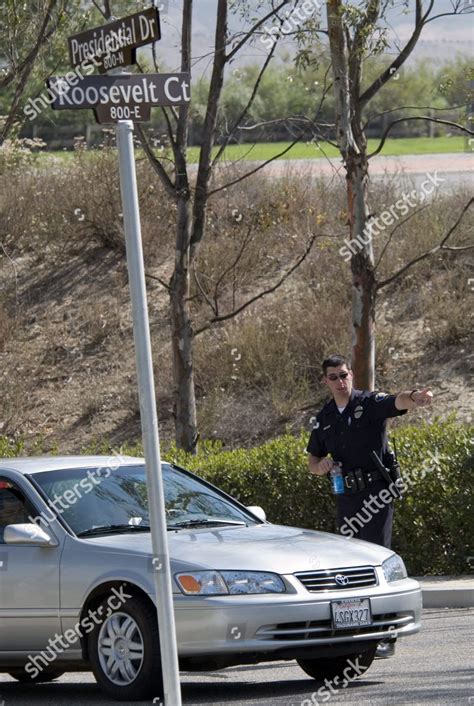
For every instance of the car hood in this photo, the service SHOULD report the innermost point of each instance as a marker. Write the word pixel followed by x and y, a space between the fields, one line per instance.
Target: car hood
pixel 265 547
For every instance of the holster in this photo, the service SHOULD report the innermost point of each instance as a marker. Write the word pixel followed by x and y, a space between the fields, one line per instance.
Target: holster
pixel 396 476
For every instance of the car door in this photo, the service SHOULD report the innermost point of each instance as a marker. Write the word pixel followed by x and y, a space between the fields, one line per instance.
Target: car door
pixel 29 579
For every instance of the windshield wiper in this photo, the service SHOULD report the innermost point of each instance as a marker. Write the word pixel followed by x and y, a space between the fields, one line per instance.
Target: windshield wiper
pixel 206 522
pixel 113 529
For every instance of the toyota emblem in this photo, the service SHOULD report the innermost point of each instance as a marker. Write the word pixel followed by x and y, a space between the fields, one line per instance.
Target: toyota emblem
pixel 341 579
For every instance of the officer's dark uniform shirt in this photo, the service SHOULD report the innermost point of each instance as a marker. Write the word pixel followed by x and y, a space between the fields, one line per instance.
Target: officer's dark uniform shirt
pixel 350 436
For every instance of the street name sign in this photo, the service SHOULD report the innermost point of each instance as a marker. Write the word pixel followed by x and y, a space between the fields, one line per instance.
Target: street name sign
pixel 122 96
pixel 114 44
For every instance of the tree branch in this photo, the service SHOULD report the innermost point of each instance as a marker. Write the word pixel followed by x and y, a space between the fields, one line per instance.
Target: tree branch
pixel 432 251
pixel 233 265
pixel 385 76
pixel 418 117
pixel 158 279
pixel 254 29
pixel 389 239
pixel 409 107
pixel 201 194
pixel 270 290
pixel 247 107
pixel 155 162
pixel 213 307
pixel 256 169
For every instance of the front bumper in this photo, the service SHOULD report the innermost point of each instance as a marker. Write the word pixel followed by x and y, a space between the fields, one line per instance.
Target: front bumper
pixel 287 624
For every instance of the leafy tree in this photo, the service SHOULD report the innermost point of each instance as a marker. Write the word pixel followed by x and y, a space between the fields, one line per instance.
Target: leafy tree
pixel 356 33
pixel 455 83
pixel 29 36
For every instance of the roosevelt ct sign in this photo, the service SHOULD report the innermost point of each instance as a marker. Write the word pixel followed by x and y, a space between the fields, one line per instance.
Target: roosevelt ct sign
pixel 121 97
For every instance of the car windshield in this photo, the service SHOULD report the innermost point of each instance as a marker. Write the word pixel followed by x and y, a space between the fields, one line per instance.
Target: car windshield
pixel 100 500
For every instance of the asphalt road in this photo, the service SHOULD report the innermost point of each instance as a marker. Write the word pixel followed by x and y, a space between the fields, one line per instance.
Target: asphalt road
pixel 434 667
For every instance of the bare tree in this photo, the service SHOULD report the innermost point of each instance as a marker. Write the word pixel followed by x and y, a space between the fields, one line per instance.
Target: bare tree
pixel 355 32
pixel 191 195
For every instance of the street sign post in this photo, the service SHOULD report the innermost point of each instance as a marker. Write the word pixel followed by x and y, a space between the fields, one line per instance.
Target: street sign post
pixel 124 98
pixel 114 44
pixel 160 564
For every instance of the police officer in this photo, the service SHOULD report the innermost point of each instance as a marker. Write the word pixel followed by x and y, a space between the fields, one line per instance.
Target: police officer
pixel 350 427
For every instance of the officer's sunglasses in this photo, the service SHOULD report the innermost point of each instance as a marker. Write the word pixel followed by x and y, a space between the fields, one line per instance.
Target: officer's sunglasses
pixel 334 377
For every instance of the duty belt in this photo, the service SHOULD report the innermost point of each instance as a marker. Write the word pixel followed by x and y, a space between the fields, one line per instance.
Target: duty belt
pixel 358 479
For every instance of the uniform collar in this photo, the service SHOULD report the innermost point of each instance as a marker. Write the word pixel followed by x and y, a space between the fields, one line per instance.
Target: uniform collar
pixel 332 407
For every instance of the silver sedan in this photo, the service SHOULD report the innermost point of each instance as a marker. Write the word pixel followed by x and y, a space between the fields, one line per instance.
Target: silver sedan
pixel 77 589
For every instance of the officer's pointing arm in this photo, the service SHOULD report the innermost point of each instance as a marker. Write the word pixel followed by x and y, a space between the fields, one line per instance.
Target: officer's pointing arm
pixel 415 398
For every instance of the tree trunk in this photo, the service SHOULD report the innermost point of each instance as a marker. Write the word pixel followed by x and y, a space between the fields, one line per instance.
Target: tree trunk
pixel 363 279
pixel 182 334
pixel 353 147
pixel 181 324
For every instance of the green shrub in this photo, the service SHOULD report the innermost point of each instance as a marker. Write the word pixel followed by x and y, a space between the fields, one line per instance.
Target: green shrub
pixel 433 523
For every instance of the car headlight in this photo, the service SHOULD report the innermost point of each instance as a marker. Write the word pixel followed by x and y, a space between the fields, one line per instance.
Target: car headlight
pixel 394 568
pixel 208 583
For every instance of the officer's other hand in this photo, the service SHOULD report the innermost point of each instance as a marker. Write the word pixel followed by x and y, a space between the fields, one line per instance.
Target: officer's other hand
pixel 422 397
pixel 324 466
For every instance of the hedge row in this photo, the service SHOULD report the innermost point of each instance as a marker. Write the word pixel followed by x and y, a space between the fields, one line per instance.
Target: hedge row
pixel 433 527
pixel 433 523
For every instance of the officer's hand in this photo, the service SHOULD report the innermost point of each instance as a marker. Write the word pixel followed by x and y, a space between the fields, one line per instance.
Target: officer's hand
pixel 325 465
pixel 422 397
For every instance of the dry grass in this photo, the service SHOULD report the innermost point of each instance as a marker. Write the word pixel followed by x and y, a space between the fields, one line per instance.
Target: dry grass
pixel 67 351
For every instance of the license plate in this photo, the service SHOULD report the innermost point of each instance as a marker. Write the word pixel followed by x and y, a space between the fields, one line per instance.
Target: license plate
pixel 352 613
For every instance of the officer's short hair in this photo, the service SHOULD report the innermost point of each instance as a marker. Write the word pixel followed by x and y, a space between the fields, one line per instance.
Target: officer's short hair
pixel 335 361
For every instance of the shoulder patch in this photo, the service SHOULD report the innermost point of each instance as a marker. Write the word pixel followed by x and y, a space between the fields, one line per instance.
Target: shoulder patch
pixel 380 396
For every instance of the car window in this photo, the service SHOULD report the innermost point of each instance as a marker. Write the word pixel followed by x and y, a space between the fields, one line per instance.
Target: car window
pixel 91 498
pixel 14 508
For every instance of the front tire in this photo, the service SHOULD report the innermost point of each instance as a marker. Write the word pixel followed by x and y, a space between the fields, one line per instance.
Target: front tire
pixel 124 651
pixel 346 667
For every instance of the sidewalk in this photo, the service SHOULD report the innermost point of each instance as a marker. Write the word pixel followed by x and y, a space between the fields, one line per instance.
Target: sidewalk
pixel 447 591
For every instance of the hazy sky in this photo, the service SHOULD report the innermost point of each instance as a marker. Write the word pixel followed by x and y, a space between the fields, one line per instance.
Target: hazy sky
pixel 441 39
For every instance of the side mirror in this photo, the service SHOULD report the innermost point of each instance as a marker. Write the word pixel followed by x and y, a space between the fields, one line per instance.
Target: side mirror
pixel 258 512
pixel 28 535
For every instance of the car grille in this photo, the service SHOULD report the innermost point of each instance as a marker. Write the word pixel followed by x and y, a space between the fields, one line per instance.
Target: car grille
pixel 322 630
pixel 338 579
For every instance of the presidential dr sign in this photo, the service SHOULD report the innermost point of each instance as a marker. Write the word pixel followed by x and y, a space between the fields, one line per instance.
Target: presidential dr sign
pixel 114 43
pixel 120 97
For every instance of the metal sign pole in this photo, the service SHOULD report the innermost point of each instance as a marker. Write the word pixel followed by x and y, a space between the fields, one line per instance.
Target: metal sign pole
pixel 149 419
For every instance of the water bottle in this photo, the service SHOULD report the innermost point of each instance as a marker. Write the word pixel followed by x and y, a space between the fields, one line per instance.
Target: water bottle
pixel 337 479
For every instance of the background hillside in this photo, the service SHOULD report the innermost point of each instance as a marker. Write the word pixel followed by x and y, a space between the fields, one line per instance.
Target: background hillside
pixel 66 346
